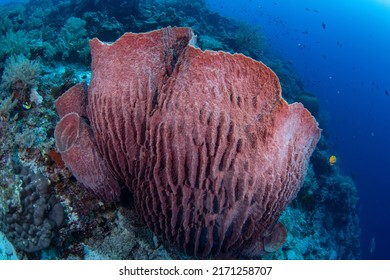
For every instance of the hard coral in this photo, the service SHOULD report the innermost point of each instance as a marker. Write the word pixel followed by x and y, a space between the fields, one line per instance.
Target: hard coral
pixel 203 140
pixel 32 224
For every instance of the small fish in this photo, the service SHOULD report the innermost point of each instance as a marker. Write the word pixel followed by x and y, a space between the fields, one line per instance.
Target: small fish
pixel 332 160
pixel 323 25
pixel 26 105
pixel 316 11
pixel 307 9
pixel 386 92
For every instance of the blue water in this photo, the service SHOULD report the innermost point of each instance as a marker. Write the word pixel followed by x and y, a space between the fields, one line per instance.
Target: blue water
pixel 341 49
pixel 2 2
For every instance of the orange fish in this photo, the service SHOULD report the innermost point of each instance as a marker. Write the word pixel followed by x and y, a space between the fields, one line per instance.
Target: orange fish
pixel 332 160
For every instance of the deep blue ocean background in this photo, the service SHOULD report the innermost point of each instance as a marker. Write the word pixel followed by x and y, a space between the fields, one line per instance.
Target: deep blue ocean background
pixel 341 50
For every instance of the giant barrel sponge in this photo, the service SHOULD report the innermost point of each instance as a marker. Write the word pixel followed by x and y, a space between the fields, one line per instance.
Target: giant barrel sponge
pixel 203 140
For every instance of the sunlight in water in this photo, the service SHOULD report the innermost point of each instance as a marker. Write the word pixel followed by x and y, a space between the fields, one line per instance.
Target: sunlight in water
pixel 386 2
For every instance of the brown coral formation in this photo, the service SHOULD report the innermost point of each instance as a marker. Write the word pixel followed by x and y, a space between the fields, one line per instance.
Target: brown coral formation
pixel 203 140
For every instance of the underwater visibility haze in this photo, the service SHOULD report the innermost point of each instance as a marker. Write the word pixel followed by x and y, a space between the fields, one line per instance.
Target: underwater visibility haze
pixel 133 163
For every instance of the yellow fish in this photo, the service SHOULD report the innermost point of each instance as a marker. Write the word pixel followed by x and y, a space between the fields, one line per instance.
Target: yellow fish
pixel 332 160
pixel 26 105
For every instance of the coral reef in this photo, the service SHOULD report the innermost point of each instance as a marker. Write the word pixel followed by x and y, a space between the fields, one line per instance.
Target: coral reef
pixel 73 40
pixel 20 78
pixel 318 230
pixel 92 228
pixel 14 43
pixel 30 220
